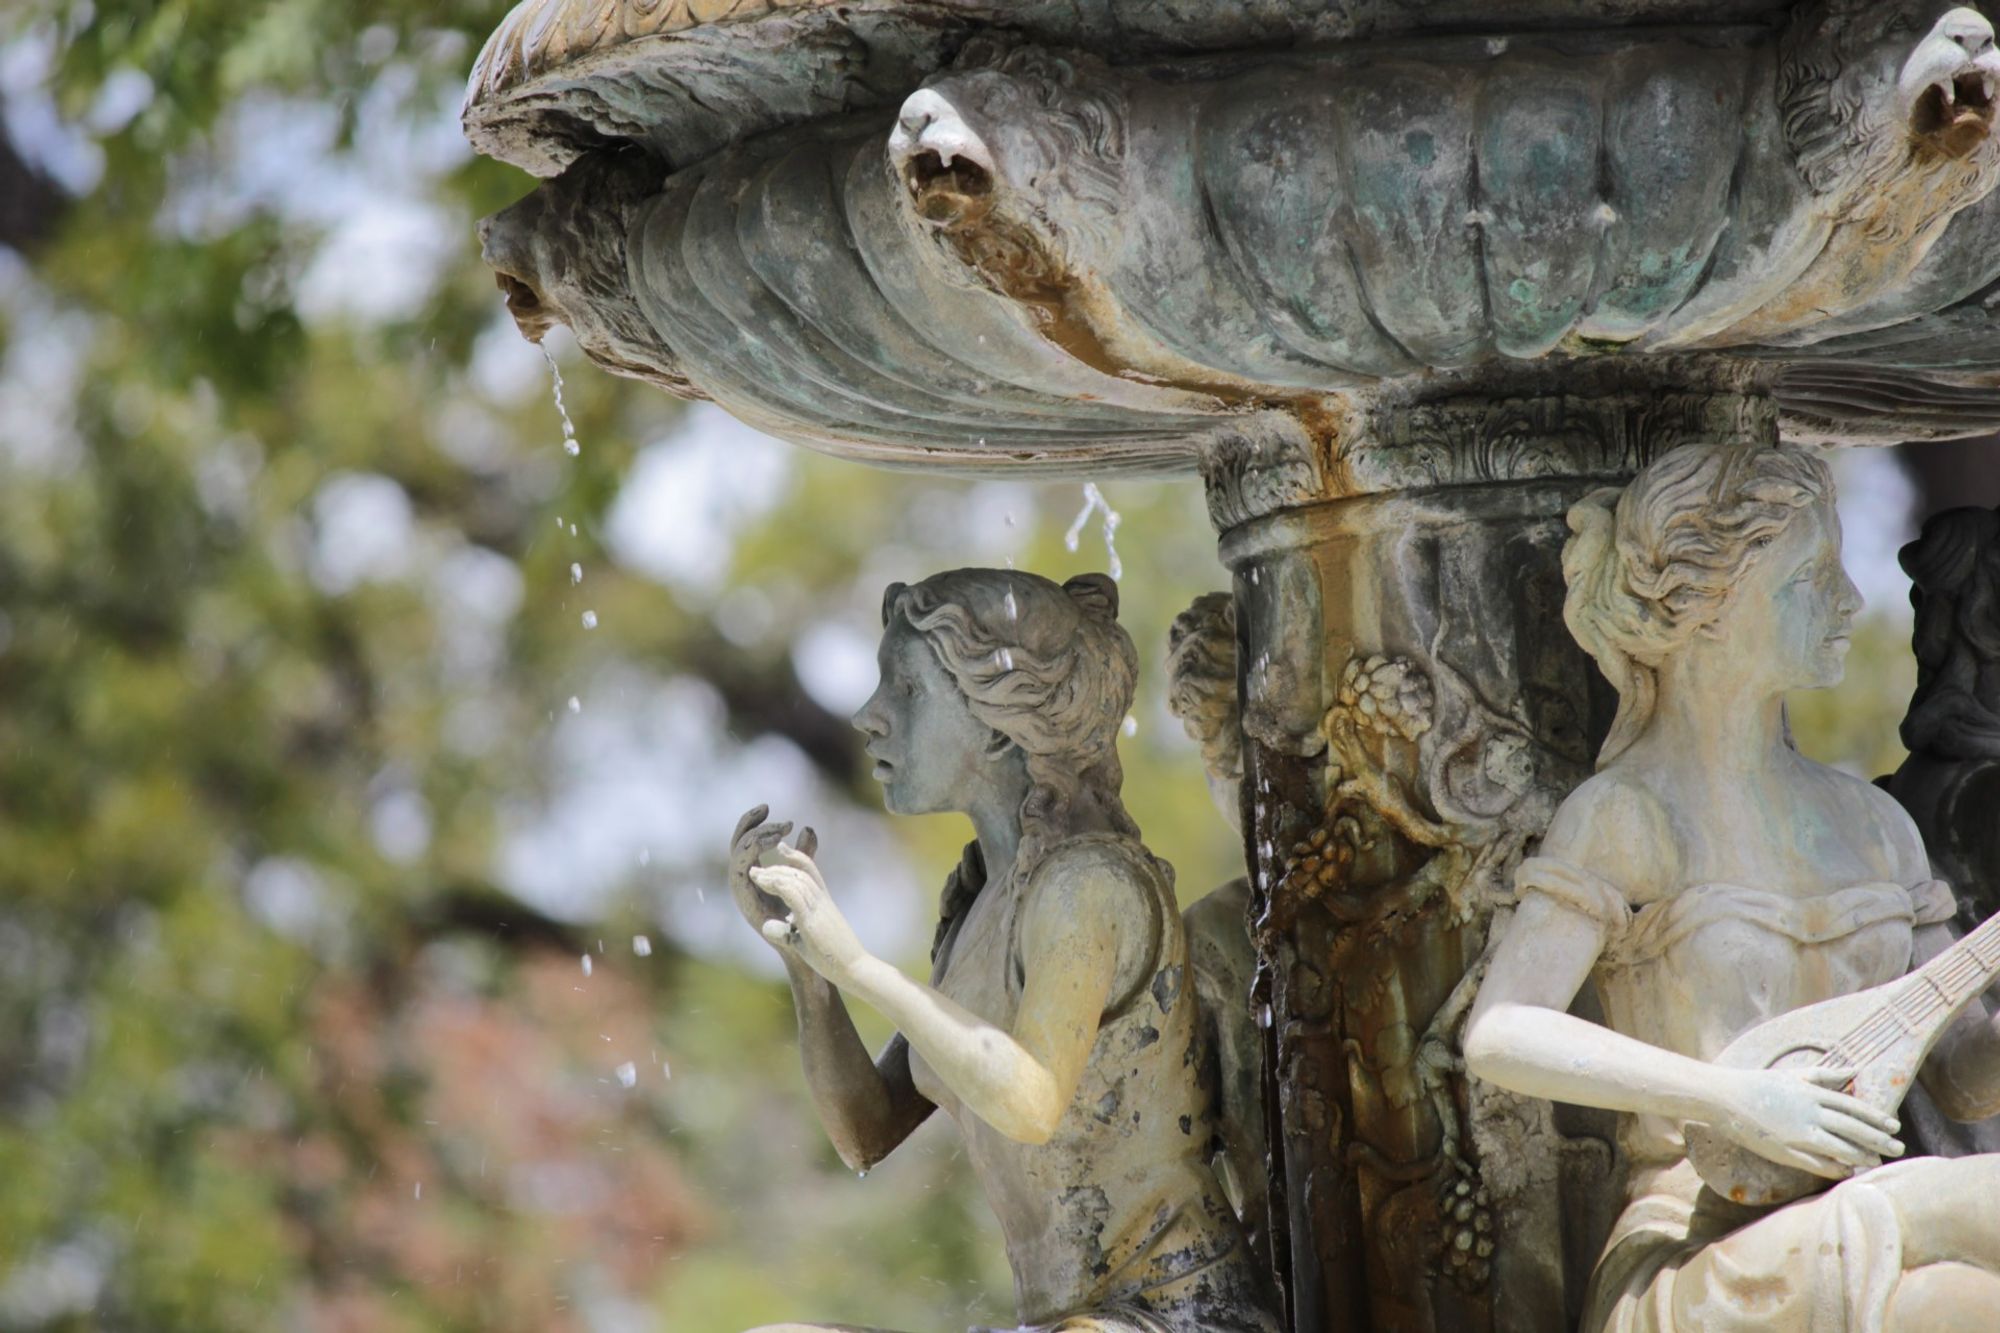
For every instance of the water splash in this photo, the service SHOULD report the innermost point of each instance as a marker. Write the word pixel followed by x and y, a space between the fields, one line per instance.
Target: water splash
pixel 642 946
pixel 570 445
pixel 1013 611
pixel 586 965
pixel 590 620
pixel 628 1075
pixel 1130 726
pixel 575 704
pixel 576 573
pixel 1094 502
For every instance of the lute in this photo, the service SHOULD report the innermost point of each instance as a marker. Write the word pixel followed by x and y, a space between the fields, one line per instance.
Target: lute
pixel 1883 1033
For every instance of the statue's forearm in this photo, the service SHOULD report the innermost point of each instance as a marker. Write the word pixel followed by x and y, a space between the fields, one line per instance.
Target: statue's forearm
pixel 856 1104
pixel 984 1066
pixel 1546 1053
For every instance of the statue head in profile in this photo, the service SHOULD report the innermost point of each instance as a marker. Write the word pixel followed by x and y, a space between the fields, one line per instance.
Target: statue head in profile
pixel 1201 692
pixel 1719 564
pixel 997 680
pixel 1954 569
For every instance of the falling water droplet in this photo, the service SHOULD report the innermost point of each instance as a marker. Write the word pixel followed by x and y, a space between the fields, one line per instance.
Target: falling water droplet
pixel 645 856
pixel 862 1174
pixel 642 946
pixel 1130 726
pixel 586 965
pixel 590 620
pixel 572 529
pixel 570 446
pixel 575 573
pixel 420 1189
pixel 575 704
pixel 628 1075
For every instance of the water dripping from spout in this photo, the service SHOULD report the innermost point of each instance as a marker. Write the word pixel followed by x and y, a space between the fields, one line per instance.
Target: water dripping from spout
pixel 570 445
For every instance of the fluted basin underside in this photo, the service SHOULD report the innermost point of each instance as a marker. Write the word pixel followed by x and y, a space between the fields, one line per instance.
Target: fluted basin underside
pixel 1031 257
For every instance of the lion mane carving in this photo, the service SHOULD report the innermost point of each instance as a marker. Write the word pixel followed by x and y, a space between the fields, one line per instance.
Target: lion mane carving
pixel 1870 109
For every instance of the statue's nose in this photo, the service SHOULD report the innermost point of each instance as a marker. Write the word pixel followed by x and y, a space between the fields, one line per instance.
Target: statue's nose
pixel 1969 28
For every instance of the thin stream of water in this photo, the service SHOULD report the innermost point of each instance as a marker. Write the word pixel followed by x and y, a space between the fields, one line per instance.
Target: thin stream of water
pixel 570 444
pixel 1094 502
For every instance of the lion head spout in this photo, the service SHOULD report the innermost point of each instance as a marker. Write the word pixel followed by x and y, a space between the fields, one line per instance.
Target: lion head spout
pixel 1872 93
pixel 1021 140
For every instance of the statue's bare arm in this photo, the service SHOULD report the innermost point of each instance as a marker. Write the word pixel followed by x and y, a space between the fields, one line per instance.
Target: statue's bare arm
pixel 1519 1036
pixel 867 1105
pixel 1020 1082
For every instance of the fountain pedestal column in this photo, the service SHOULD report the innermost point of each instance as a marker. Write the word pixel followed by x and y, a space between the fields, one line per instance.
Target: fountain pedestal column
pixel 1415 710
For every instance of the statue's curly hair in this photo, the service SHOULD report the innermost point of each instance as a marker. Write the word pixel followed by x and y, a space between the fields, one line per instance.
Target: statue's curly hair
pixel 1047 666
pixel 1201 682
pixel 1954 569
pixel 1653 563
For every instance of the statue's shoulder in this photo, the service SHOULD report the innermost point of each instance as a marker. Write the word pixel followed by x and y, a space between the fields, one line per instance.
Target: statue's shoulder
pixel 1617 827
pixel 1873 816
pixel 1091 856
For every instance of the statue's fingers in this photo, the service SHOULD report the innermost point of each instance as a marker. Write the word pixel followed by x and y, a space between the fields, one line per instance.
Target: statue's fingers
pixel 1825 1143
pixel 796 859
pixel 1813 1162
pixel 1872 1116
pixel 751 819
pixel 1828 1076
pixel 780 882
pixel 1861 1133
pixel 776 931
pixel 770 836
pixel 808 841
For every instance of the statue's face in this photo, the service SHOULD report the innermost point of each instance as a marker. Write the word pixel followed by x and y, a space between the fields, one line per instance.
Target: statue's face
pixel 931 754
pixel 1793 610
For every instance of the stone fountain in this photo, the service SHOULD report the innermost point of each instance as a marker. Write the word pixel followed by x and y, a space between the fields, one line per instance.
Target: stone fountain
pixel 1400 281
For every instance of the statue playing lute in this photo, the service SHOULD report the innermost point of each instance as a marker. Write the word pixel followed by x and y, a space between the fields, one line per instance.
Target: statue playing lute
pixel 1774 956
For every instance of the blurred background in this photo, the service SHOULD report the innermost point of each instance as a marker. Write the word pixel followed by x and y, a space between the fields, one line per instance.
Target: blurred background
pixel 367 758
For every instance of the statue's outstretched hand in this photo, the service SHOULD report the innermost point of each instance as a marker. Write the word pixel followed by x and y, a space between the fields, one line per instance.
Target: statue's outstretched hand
pixel 812 927
pixel 754 837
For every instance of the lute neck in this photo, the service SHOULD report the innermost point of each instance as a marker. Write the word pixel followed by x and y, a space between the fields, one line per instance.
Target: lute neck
pixel 1924 999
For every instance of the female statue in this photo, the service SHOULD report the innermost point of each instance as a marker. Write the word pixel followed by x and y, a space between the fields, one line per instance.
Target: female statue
pixel 1058 1029
pixel 1709 878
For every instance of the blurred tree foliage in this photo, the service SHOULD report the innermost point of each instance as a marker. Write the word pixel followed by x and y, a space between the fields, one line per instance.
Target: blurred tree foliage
pixel 278 1047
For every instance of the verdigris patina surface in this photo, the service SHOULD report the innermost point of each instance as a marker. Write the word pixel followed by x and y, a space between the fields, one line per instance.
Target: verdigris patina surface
pixel 1402 281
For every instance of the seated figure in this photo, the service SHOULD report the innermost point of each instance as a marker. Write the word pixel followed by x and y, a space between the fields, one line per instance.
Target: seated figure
pixel 1058 1028
pixel 1710 878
